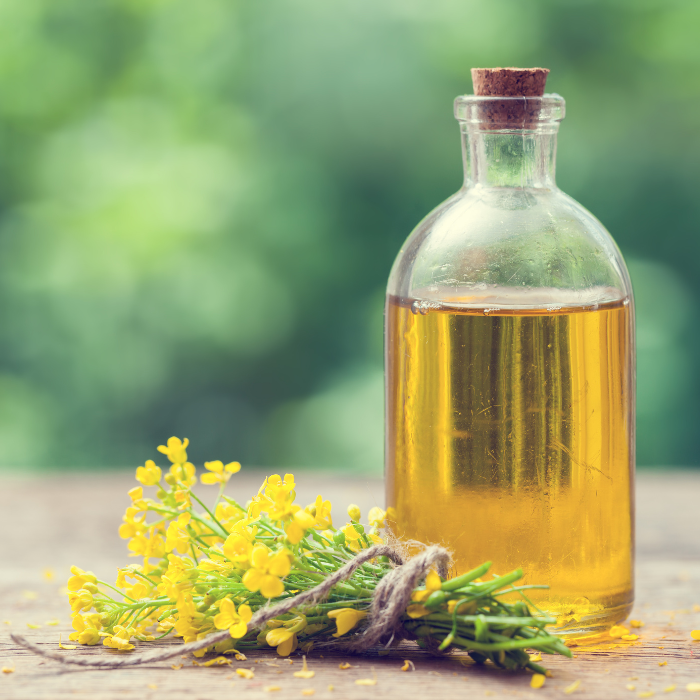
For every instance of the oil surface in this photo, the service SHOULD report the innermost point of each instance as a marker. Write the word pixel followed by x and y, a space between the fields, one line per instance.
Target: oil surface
pixel 509 438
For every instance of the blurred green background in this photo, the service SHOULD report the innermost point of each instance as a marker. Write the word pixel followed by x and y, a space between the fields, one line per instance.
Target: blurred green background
pixel 200 203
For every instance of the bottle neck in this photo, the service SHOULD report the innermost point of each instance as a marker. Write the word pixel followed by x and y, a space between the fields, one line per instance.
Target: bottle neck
pixel 514 158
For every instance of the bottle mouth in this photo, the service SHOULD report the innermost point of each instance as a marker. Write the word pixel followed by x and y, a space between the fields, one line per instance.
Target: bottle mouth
pixel 478 112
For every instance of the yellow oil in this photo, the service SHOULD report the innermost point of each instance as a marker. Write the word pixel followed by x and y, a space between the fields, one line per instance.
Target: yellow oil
pixel 510 438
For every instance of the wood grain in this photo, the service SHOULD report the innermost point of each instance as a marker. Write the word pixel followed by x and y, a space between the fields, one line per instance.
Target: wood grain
pixel 55 521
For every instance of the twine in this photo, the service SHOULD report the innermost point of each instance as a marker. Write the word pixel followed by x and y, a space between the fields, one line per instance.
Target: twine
pixel 389 602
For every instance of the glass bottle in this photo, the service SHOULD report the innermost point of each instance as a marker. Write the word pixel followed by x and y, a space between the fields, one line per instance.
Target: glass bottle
pixel 510 406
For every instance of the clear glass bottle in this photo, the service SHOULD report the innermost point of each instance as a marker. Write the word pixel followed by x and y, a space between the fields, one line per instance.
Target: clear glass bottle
pixel 510 407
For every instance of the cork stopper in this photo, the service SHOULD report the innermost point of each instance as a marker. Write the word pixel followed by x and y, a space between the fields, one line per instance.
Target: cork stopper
pixel 509 82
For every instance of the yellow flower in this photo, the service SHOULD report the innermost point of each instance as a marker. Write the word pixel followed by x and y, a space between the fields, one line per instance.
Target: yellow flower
pixel 148 475
pixel 175 450
pixel 274 485
pixel 178 577
pixel 191 624
pixel 136 494
pixel 79 577
pixel 147 547
pixel 354 512
pixel 219 474
pixel 376 517
pixel 86 629
pixel 374 538
pixel 185 606
pixel 300 523
pixel 176 537
pixel 346 619
pixel 321 511
pixel 255 507
pixel 89 636
pixel 433 582
pixel 134 523
pixel 236 622
pixel 278 498
pixel 223 567
pixel 237 548
pixel 126 572
pixel 138 590
pixel 267 571
pixel 417 610
pixel 228 514
pixel 182 497
pixel 172 587
pixel 464 609
pixel 242 527
pixel 120 639
pixel 352 537
pixel 285 640
pixel 182 474
pixel 81 600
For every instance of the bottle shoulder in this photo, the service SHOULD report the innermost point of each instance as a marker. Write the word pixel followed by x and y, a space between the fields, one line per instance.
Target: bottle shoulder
pixel 490 238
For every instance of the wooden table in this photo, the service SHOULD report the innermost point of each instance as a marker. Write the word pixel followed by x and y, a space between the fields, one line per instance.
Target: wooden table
pixel 51 522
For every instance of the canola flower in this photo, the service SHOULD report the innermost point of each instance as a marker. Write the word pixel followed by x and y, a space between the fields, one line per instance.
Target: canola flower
pixel 204 569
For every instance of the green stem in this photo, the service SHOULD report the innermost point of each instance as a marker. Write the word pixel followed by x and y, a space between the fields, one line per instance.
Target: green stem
pixel 222 486
pixel 506 621
pixel 487 646
pixel 205 522
pixel 462 580
pixel 144 576
pixel 103 583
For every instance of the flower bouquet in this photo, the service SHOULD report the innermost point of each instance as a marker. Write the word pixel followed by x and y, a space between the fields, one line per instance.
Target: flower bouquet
pixel 237 576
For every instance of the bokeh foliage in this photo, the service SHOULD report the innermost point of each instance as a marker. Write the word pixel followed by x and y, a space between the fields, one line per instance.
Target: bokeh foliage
pixel 200 203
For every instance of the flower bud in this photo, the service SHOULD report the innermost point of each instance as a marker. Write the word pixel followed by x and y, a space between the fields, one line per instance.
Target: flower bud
pixel 339 537
pixel 354 512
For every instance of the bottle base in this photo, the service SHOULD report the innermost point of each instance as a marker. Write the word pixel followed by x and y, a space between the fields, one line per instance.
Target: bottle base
pixel 592 624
